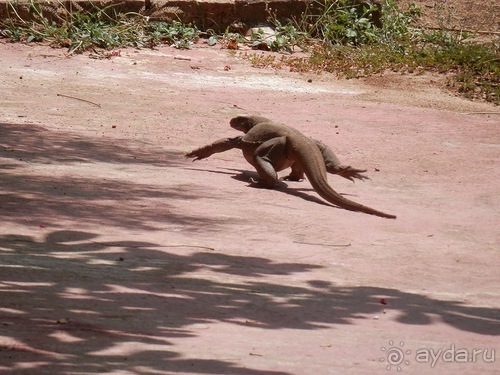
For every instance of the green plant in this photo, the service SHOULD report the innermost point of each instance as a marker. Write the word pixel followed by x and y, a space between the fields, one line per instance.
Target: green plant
pixel 101 28
pixel 284 38
pixel 337 22
pixel 352 46
pixel 177 34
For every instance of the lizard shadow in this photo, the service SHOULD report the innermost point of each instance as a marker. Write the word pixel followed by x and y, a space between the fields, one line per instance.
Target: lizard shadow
pixel 246 176
pixel 208 170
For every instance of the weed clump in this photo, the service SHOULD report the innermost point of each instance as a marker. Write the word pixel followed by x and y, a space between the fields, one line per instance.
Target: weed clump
pixel 344 37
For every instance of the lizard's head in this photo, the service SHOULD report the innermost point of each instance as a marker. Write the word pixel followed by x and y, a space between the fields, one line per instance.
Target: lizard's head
pixel 245 123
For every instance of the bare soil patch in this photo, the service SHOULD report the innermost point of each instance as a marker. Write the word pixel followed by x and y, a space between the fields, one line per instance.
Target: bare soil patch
pixel 472 15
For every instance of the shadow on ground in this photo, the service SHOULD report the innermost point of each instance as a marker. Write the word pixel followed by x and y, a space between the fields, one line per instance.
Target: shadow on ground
pixel 50 177
pixel 72 303
pixel 34 143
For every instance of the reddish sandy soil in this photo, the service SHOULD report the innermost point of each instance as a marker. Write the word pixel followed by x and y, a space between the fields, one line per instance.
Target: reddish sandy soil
pixel 119 256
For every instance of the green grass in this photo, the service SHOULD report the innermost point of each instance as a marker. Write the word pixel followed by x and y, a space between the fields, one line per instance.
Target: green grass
pixel 339 38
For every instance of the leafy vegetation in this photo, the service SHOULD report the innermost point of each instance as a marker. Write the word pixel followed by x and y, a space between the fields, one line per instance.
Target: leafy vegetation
pixel 338 36
pixel 347 41
pixel 100 29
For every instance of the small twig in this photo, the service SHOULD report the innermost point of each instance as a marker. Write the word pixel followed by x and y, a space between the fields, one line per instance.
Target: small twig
pixel 322 244
pixel 196 247
pixel 121 244
pixel 480 113
pixel 50 55
pixel 82 100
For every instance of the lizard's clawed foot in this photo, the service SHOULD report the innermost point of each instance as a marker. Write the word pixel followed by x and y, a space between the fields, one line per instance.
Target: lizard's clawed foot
pixel 253 181
pixel 293 178
pixel 199 153
pixel 259 183
pixel 352 173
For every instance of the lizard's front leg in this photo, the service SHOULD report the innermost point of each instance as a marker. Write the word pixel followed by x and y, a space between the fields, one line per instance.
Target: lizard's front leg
pixel 221 145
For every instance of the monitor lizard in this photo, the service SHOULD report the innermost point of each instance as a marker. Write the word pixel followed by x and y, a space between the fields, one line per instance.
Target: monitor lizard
pixel 271 147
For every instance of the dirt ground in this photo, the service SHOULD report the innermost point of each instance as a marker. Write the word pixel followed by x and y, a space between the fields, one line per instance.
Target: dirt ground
pixel 471 15
pixel 119 256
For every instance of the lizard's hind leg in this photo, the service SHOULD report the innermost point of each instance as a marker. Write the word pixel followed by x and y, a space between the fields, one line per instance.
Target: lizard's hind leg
pixel 334 166
pixel 297 174
pixel 267 159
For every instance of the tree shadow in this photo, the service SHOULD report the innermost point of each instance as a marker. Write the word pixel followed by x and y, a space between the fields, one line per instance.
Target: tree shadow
pixel 48 201
pixel 34 143
pixel 71 303
pixel 33 190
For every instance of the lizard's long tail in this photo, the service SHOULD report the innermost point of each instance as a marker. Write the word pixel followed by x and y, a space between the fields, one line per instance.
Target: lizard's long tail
pixel 315 170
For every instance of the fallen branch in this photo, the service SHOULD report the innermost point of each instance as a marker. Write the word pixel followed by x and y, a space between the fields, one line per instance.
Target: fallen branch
pixel 322 244
pixel 139 246
pixel 82 100
pixel 480 113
